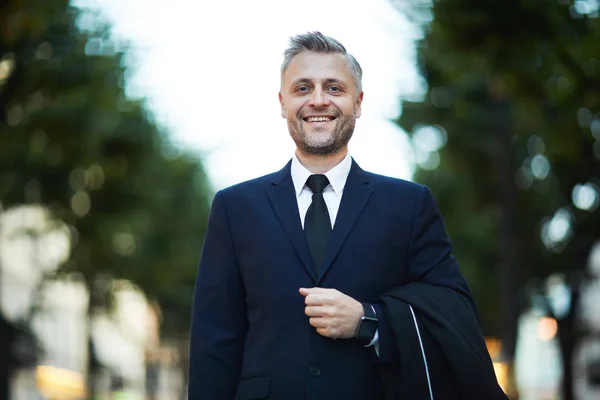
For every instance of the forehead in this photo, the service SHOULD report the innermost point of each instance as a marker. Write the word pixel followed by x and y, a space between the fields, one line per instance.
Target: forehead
pixel 316 67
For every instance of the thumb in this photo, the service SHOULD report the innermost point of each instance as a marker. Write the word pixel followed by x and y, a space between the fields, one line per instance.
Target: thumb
pixel 307 291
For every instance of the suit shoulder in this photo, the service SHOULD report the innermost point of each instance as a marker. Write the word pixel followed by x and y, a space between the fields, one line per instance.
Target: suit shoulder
pixel 388 182
pixel 248 187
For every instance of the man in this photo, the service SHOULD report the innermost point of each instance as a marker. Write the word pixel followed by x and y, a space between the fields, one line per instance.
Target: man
pixel 300 292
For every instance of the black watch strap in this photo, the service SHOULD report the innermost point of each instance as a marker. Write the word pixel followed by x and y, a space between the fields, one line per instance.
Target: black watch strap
pixel 367 326
pixel 369 310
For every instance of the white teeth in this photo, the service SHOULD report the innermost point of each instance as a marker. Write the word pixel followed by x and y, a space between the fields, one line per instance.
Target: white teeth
pixel 318 119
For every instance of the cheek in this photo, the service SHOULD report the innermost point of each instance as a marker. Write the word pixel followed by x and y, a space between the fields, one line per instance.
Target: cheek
pixel 356 110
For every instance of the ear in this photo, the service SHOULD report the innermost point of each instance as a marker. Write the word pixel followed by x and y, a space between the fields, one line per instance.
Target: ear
pixel 283 110
pixel 357 110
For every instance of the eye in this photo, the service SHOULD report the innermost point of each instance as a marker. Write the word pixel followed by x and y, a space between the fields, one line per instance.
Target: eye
pixel 334 89
pixel 302 89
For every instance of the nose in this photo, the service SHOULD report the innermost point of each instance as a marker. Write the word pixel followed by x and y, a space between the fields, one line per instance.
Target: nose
pixel 319 98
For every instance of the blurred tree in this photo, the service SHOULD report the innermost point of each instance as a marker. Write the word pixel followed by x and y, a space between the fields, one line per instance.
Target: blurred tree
pixel 71 140
pixel 508 138
pixel 6 339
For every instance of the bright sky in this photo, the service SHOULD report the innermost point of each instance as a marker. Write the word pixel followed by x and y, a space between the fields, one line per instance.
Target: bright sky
pixel 211 72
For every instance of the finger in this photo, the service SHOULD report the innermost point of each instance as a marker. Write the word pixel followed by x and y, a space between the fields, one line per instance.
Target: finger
pixel 318 322
pixel 317 311
pixel 326 332
pixel 316 299
pixel 314 290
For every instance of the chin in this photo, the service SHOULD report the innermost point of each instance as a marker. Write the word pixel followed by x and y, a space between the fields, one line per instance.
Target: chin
pixel 320 137
pixel 319 145
pixel 320 148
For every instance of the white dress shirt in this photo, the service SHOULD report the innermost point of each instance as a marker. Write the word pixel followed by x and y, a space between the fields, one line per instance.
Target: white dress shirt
pixel 332 194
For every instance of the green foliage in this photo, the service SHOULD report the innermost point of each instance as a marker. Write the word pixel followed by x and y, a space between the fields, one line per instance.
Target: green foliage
pixel 71 140
pixel 509 81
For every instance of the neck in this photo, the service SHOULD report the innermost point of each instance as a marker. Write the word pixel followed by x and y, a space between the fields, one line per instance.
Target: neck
pixel 320 164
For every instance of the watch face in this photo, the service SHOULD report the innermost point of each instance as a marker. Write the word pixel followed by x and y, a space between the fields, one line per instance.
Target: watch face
pixel 367 329
pixel 367 325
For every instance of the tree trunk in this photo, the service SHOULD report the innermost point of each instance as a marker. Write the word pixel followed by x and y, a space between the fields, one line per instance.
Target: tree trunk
pixel 93 365
pixel 508 235
pixel 567 334
pixel 567 341
pixel 6 340
pixel 99 288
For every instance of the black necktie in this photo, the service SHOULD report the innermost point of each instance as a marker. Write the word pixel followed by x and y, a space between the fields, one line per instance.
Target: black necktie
pixel 317 225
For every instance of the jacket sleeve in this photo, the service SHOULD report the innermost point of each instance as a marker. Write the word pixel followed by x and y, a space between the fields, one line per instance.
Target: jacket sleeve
pixel 429 260
pixel 218 323
pixel 442 350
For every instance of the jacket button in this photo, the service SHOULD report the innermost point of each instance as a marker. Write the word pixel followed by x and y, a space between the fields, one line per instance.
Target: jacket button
pixel 314 371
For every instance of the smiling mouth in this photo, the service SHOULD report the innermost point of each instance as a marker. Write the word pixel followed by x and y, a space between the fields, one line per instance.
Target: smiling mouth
pixel 319 118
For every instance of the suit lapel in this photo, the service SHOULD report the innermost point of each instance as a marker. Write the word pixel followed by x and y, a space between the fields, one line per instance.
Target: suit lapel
pixel 283 199
pixel 354 199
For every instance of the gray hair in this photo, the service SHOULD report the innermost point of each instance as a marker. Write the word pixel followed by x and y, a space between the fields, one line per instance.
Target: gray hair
pixel 319 43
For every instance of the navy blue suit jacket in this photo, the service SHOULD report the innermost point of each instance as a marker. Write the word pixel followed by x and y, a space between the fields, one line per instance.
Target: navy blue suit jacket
pixel 250 338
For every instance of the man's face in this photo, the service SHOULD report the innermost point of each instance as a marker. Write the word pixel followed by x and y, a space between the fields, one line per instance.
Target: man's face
pixel 319 100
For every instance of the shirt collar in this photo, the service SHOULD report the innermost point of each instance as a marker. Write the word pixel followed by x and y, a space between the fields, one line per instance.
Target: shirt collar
pixel 337 175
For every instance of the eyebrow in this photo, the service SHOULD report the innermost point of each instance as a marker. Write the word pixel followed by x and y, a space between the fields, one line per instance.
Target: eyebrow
pixel 327 81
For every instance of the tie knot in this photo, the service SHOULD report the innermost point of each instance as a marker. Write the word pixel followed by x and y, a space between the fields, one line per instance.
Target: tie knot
pixel 317 183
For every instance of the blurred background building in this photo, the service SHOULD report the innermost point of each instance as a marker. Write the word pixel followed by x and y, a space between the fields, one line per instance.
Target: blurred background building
pixel 124 340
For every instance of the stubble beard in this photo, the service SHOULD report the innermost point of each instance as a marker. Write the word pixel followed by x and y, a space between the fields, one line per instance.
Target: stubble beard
pixel 322 143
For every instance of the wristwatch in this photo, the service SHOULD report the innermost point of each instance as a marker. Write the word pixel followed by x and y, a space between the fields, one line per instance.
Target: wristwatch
pixel 367 326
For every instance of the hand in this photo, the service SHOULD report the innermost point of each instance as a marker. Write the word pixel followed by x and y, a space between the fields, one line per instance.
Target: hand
pixel 334 314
